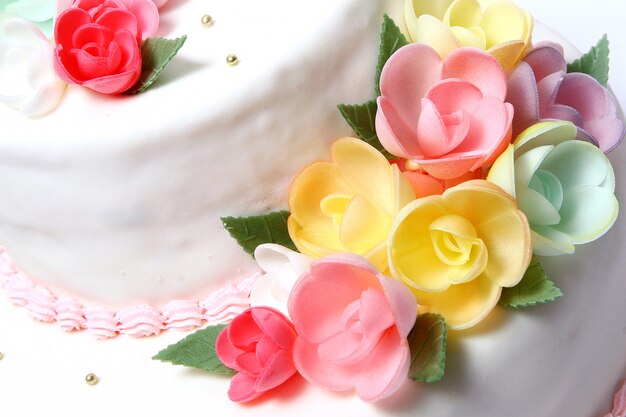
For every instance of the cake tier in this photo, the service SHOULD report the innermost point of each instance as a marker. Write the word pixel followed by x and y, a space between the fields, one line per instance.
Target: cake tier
pixel 119 199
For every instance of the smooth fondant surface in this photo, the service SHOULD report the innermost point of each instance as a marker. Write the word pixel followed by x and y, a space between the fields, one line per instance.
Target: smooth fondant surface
pixel 560 359
pixel 119 199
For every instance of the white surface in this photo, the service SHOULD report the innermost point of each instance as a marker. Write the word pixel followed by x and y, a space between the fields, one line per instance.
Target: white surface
pixel 119 199
pixel 561 359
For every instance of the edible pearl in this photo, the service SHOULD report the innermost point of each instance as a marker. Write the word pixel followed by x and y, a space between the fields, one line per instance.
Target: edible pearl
pixel 1 356
pixel 91 379
pixel 232 60
pixel 207 20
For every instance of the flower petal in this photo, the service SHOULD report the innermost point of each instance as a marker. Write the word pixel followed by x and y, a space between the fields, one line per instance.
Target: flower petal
pixel 550 242
pixel 544 134
pixel 479 68
pixel 406 78
pixel 523 95
pixel 326 374
pixel 504 21
pixel 242 388
pixel 463 13
pixel 273 324
pixel 338 280
pixel 462 305
pixel 588 213
pixel 226 350
pixel 576 163
pixel 395 135
pixel 429 30
pixel 502 172
pixel 387 369
pixel 278 369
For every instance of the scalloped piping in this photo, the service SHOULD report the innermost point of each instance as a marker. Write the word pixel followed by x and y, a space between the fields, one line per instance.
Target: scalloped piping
pixel 138 321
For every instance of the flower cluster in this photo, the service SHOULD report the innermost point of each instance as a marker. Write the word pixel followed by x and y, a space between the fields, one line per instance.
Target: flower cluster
pixel 497 153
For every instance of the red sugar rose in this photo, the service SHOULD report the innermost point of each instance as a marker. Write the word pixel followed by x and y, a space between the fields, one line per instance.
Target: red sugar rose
pixel 258 344
pixel 98 43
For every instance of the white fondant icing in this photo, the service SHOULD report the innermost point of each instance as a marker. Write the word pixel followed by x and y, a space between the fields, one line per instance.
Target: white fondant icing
pixel 119 199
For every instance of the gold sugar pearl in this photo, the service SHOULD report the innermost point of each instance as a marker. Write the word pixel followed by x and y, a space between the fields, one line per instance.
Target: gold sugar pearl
pixel 232 60
pixel 92 379
pixel 207 20
pixel 1 356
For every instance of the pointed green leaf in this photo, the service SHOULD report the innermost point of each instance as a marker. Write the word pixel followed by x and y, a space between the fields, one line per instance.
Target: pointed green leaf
pixel 361 118
pixel 197 351
pixel 251 232
pixel 595 62
pixel 534 288
pixel 427 342
pixel 391 39
pixel 156 53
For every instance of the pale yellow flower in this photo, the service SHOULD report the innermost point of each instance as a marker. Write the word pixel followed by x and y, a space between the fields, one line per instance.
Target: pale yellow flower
pixel 348 204
pixel 457 250
pixel 498 26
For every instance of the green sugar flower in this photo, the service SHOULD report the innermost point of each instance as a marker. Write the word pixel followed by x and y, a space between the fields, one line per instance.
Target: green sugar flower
pixel 563 185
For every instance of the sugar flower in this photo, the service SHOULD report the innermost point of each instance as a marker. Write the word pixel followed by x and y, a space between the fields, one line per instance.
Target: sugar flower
pixel 456 251
pixel 498 26
pixel 564 186
pixel 352 324
pixel 98 42
pixel 281 269
pixel 540 89
pixel 258 344
pixel 28 82
pixel 448 116
pixel 347 204
pixel 39 12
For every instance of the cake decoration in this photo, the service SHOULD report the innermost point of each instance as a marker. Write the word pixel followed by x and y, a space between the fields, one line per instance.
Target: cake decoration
pixel 92 379
pixel 430 219
pixel 207 20
pixel 232 60
pixel 541 89
pixel 136 321
pixel 103 45
pixel 28 82
pixel 500 27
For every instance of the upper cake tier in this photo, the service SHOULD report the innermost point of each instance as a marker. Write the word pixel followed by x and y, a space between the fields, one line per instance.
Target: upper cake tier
pixel 119 198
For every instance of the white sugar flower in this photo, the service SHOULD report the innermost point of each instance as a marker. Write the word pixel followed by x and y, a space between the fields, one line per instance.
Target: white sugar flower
pixel 28 82
pixel 282 269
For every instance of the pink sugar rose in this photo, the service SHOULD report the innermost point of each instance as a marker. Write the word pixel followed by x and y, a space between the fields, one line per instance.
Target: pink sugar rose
pixel 541 89
pixel 258 345
pixel 98 42
pixel 448 116
pixel 352 324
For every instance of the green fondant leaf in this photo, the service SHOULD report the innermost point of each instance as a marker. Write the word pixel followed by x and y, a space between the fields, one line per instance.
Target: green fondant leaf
pixel 534 288
pixel 595 62
pixel 156 53
pixel 361 118
pixel 197 351
pixel 427 342
pixel 251 232
pixel 391 39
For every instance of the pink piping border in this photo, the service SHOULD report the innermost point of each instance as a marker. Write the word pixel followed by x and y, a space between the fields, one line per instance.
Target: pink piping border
pixel 140 320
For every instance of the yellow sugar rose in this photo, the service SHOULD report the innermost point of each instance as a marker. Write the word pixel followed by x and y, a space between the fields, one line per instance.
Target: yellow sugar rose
pixel 457 250
pixel 348 204
pixel 498 26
